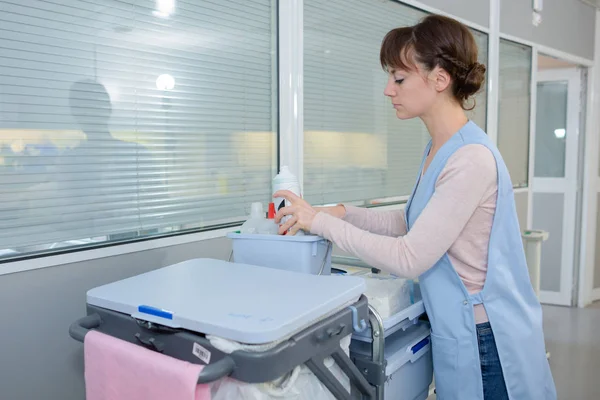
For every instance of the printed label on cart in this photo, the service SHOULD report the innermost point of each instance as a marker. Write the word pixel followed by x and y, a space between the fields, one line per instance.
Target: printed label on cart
pixel 201 353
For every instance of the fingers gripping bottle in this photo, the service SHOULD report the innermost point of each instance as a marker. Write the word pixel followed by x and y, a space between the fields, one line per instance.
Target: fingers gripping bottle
pixel 285 180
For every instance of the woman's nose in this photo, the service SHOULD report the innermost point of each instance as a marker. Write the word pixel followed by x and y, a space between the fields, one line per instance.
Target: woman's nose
pixel 389 90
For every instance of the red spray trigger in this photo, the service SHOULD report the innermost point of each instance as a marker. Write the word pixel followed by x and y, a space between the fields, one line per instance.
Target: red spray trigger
pixel 271 211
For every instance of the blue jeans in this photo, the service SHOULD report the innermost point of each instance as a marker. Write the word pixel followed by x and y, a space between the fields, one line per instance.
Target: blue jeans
pixel 494 387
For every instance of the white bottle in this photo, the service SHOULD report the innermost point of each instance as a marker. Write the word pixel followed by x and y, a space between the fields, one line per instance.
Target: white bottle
pixel 285 180
pixel 256 219
pixel 268 226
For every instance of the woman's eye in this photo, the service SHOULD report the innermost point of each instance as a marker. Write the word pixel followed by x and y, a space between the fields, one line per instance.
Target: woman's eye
pixel 399 81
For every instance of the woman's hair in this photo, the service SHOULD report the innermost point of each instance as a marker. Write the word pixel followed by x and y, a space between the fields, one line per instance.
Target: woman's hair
pixel 437 41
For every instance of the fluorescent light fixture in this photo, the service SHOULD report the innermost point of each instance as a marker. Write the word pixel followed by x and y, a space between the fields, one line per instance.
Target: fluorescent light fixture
pixel 164 8
pixel 165 82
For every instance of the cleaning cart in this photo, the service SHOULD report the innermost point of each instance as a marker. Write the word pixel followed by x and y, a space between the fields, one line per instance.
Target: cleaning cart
pixel 283 319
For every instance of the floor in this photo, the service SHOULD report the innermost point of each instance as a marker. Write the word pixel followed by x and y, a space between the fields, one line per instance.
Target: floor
pixel 573 340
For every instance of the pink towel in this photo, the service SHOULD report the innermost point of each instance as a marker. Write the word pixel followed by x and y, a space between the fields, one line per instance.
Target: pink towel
pixel 118 370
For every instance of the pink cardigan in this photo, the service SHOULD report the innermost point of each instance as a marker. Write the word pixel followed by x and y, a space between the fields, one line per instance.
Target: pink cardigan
pixel 457 220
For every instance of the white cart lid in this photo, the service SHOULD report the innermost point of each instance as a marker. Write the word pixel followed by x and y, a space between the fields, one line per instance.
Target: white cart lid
pixel 244 303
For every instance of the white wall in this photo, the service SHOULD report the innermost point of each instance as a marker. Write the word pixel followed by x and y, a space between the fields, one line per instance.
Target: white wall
pixel 596 105
pixel 521 202
pixel 567 25
pixel 477 11
pixel 590 275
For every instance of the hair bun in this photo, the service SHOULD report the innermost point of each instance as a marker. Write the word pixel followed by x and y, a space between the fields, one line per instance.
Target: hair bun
pixel 470 83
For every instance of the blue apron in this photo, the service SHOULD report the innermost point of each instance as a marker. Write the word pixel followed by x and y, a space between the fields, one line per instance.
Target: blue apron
pixel 512 307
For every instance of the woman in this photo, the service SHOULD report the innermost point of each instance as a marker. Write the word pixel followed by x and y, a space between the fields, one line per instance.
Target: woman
pixel 459 233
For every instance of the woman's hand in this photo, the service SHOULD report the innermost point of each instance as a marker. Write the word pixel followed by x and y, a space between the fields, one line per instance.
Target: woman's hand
pixel 301 213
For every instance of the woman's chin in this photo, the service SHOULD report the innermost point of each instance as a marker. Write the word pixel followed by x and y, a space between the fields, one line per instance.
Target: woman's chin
pixel 402 114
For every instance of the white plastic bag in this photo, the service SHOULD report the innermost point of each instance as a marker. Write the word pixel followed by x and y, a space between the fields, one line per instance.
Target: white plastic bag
pixel 304 386
pixel 300 384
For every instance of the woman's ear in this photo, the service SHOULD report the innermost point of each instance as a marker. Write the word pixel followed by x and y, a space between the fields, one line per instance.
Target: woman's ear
pixel 441 78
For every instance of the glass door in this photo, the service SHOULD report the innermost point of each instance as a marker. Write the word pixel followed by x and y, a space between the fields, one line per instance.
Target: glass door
pixel 554 183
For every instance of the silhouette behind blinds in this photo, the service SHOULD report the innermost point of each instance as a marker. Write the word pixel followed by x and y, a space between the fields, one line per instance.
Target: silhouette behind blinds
pixel 101 166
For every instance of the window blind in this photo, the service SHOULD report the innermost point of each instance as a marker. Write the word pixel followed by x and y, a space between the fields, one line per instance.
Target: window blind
pixel 514 103
pixel 355 149
pixel 124 119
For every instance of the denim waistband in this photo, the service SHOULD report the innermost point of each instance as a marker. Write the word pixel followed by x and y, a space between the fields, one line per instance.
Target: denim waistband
pixel 484 328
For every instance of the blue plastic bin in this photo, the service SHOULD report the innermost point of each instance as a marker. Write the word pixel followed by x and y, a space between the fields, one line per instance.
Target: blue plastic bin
pixel 308 254
pixel 409 370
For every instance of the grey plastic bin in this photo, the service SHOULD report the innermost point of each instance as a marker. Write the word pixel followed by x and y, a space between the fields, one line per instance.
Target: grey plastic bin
pixel 409 370
pixel 305 254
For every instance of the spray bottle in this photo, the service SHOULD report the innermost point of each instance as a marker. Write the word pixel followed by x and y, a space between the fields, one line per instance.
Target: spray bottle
pixel 256 219
pixel 285 180
pixel 269 227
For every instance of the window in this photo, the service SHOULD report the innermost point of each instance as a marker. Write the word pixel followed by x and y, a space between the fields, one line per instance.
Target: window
pixel 514 103
pixel 126 119
pixel 355 149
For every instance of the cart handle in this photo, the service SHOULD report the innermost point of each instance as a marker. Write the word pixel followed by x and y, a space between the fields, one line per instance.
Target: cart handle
pixel 82 326
pixel 212 372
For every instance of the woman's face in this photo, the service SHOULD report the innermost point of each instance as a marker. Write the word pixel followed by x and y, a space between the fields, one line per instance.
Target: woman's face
pixel 412 92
